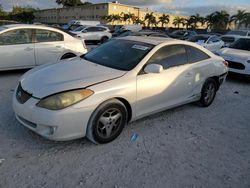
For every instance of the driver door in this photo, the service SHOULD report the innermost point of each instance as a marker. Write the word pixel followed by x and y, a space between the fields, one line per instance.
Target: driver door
pixel 157 91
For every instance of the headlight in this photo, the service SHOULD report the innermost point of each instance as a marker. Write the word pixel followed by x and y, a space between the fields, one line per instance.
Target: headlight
pixel 65 99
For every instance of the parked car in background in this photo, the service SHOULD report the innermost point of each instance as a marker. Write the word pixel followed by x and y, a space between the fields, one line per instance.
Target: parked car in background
pixel 7 22
pixel 238 56
pixel 94 34
pixel 122 80
pixel 71 23
pixel 120 29
pixel 234 35
pixel 243 33
pixel 210 42
pixel 182 34
pixel 26 46
pixel 144 33
pixel 133 27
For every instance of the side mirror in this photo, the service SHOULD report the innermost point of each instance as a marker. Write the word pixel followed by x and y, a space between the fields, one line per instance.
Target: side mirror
pixel 84 31
pixel 153 68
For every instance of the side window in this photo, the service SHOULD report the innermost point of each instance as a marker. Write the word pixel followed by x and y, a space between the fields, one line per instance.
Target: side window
pixel 215 39
pixel 101 29
pixel 170 56
pixel 18 36
pixel 48 36
pixel 195 55
pixel 92 29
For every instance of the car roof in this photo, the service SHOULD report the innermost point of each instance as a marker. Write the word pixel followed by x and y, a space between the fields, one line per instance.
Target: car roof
pixel 149 40
pixel 205 35
pixel 25 26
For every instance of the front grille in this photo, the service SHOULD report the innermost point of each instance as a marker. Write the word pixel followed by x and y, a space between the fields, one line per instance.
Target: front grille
pixel 21 95
pixel 236 65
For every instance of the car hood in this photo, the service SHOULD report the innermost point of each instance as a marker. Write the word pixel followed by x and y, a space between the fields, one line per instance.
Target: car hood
pixel 230 54
pixel 66 75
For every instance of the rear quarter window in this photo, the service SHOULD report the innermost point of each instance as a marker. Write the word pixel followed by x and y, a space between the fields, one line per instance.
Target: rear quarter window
pixel 195 54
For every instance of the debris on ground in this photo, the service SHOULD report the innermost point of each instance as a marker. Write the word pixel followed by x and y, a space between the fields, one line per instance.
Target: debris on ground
pixel 134 137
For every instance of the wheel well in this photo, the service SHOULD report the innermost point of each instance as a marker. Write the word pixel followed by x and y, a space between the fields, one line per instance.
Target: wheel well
pixel 128 107
pixel 216 79
pixel 68 55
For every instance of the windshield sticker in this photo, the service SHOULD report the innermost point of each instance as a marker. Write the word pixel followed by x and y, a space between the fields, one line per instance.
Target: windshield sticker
pixel 139 47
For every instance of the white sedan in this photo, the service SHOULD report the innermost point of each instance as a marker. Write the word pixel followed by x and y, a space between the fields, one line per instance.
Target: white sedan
pixel 26 46
pixel 125 79
pixel 210 42
pixel 238 56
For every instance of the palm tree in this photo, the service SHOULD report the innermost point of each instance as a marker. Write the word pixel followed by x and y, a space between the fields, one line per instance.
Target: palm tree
pixel 125 17
pixel 239 18
pixel 222 19
pixel 164 19
pixel 116 17
pixel 133 17
pixel 139 21
pixel 247 20
pixel 150 18
pixel 178 21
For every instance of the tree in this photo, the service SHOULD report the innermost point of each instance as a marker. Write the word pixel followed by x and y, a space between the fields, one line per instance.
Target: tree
pixel 218 20
pixel 21 14
pixel 70 3
pixel 178 21
pixel 164 19
pixel 239 18
pixel 2 12
pixel 150 18
pixel 247 20
pixel 194 20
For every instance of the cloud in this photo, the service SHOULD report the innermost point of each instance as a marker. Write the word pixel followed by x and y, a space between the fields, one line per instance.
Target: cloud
pixel 42 4
pixel 203 10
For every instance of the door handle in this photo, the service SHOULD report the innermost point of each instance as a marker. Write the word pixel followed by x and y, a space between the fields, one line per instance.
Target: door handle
pixel 58 47
pixel 28 49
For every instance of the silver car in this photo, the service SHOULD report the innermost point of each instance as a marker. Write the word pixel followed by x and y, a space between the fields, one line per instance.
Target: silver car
pixel 121 81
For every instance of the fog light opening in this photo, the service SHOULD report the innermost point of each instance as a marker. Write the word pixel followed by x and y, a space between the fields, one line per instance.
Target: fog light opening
pixel 52 130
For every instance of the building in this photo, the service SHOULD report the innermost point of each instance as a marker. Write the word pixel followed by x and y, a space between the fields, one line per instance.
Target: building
pixel 96 12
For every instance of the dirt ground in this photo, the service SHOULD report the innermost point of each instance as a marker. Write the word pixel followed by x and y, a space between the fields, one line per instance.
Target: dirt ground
pixel 188 146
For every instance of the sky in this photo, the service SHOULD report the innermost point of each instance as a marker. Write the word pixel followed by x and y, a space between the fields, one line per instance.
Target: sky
pixel 181 7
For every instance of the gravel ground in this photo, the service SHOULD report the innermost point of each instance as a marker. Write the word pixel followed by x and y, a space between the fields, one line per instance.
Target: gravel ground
pixel 188 146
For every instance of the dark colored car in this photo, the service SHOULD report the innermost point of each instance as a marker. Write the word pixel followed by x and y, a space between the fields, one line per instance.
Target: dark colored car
pixel 182 34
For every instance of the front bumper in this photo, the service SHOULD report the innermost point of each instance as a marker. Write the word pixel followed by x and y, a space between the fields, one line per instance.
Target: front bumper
pixel 240 67
pixel 67 124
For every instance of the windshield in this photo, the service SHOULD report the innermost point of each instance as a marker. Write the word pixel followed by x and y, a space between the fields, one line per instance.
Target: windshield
pixel 179 32
pixel 241 33
pixel 241 44
pixel 119 54
pixel 200 39
pixel 79 28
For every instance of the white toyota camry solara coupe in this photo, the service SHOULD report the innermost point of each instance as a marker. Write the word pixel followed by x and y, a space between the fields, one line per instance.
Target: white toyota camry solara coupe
pixel 97 94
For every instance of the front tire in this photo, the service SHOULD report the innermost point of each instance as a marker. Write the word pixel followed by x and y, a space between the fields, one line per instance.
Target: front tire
pixel 208 92
pixel 107 122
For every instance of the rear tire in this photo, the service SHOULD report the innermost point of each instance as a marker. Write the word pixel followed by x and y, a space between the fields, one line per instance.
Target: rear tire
pixel 104 39
pixel 107 122
pixel 208 92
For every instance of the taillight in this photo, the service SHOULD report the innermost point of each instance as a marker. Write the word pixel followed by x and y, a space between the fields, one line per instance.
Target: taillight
pixel 225 63
pixel 84 45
